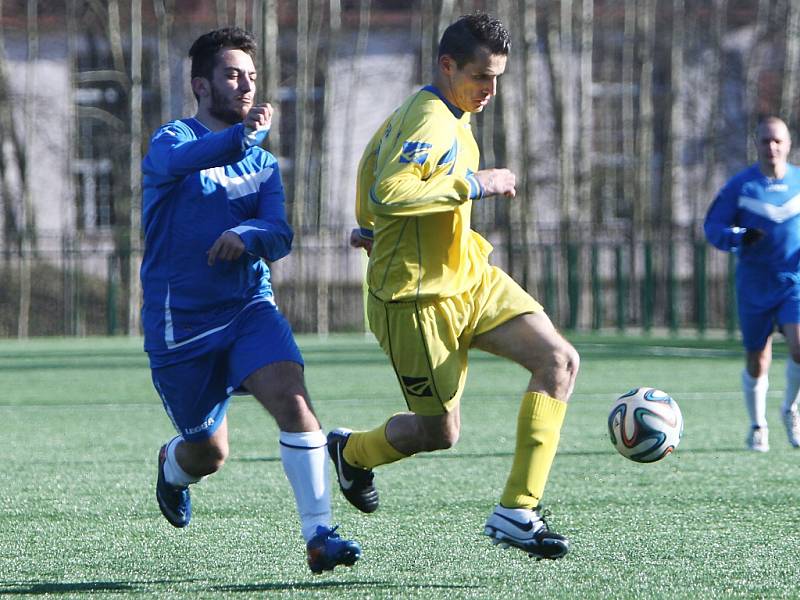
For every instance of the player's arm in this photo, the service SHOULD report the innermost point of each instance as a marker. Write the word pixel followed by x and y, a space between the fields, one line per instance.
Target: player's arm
pixel 720 223
pixel 268 235
pixel 174 151
pixel 414 174
pixel 362 236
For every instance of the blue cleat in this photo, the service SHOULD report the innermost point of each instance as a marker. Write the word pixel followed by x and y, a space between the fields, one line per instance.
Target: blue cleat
pixel 327 550
pixel 174 502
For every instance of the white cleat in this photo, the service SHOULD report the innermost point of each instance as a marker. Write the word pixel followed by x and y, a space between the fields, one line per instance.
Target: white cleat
pixel 791 419
pixel 758 440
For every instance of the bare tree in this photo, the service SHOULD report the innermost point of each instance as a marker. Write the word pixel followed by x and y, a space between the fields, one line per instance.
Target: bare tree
pixel 222 13
pixel 628 97
pixel 164 10
pixel 27 214
pixel 644 135
pixel 559 51
pixel 309 24
pixel 585 112
pixel 752 68
pixel 673 121
pixel 791 63
pixel 134 286
pixel 715 82
pixel 272 65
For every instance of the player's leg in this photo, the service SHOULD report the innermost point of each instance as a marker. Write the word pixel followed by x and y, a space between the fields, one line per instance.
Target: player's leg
pixel 266 362
pixel 195 397
pixel 429 358
pixel 756 325
pixel 789 408
pixel 789 320
pixel 530 340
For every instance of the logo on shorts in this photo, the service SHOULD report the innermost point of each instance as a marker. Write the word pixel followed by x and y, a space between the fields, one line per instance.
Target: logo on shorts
pixel 203 426
pixel 417 386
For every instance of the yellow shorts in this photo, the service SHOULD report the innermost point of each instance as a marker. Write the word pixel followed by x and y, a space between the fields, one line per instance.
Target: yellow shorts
pixel 427 341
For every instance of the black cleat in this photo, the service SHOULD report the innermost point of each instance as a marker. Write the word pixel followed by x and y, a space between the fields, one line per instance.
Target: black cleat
pixel 526 530
pixel 356 484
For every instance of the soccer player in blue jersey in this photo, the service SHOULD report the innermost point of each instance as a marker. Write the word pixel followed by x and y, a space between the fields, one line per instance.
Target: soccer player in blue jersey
pixel 433 294
pixel 756 215
pixel 213 214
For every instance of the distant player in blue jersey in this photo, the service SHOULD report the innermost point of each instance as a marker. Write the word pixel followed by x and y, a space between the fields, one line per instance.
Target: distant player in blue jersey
pixel 757 216
pixel 213 214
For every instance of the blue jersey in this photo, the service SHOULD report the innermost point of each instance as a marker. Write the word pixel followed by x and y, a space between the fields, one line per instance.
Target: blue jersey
pixel 752 200
pixel 197 185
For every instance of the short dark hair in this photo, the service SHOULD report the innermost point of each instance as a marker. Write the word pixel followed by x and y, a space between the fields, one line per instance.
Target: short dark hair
pixel 204 50
pixel 462 38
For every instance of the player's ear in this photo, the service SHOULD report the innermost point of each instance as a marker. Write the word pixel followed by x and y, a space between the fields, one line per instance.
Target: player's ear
pixel 447 64
pixel 201 87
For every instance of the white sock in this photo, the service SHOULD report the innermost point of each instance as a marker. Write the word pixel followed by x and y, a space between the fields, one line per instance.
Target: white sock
pixel 755 398
pixel 792 386
pixel 304 457
pixel 173 472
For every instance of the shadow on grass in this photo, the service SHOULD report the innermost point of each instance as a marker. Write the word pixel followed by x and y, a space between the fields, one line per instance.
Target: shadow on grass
pixel 474 455
pixel 51 587
pixel 321 585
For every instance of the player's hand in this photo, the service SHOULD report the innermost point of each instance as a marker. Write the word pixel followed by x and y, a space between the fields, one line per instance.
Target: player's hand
pixel 497 181
pixel 359 241
pixel 752 235
pixel 229 246
pixel 258 117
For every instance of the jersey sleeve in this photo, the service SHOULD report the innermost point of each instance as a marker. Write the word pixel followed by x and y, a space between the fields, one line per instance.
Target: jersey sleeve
pixel 269 234
pixel 720 222
pixel 415 175
pixel 176 152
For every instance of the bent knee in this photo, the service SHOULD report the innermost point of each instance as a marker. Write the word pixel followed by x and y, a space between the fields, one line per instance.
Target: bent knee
pixel 442 438
pixel 210 459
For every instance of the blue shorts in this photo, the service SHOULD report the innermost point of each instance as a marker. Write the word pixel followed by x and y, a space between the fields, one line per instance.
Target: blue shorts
pixel 196 391
pixel 764 301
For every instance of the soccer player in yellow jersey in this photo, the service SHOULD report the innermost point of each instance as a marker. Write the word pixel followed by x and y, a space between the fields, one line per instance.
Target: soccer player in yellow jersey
pixel 433 294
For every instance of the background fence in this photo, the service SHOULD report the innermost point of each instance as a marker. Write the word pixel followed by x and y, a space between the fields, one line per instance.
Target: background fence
pixel 613 282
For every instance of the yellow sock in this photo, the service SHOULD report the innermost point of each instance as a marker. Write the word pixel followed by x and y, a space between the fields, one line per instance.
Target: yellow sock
pixel 368 449
pixel 538 431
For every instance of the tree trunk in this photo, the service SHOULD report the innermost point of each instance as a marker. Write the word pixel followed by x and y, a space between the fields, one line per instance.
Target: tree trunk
pixel 752 71
pixel 27 217
pixel 585 112
pixel 134 286
pixel 791 64
pixel 673 127
pixel 714 121
pixel 628 101
pixel 272 66
pixel 164 16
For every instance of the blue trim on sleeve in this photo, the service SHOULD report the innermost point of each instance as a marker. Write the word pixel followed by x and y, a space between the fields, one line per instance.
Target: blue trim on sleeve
pixel 475 187
pixel 365 233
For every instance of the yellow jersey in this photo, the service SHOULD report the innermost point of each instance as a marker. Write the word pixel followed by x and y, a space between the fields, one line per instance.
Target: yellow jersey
pixel 414 198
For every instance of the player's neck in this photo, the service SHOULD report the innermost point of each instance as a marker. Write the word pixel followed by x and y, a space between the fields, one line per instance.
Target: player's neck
pixel 773 171
pixel 210 121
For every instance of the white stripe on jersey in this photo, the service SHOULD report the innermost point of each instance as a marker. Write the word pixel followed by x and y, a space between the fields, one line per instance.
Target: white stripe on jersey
pixel 776 214
pixel 169 334
pixel 236 187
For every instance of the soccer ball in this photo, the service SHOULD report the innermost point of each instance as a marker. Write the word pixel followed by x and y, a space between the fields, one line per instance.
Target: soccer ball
pixel 645 425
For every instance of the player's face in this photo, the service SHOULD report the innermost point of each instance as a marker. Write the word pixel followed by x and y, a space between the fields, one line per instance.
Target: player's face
pixel 772 139
pixel 233 86
pixel 471 87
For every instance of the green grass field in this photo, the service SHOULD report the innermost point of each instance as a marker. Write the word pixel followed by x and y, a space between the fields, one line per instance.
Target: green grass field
pixel 81 426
